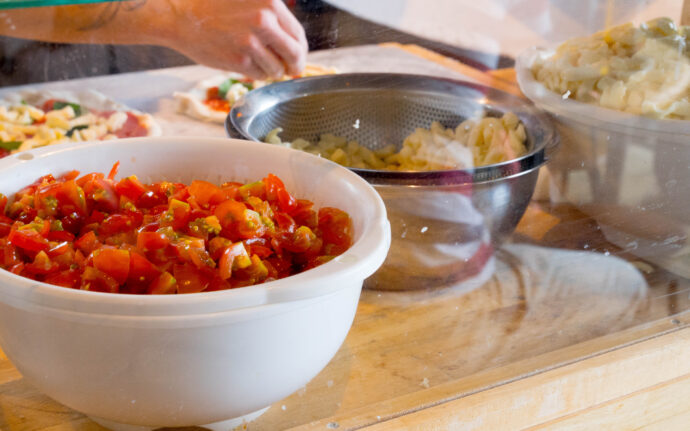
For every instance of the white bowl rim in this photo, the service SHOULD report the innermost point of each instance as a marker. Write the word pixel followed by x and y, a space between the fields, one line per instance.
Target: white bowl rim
pixel 598 116
pixel 348 267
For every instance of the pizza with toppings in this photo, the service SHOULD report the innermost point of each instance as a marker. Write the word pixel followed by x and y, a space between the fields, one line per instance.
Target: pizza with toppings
pixel 212 98
pixel 32 119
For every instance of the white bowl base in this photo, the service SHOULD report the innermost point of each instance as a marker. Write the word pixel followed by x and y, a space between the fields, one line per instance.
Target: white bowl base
pixel 226 425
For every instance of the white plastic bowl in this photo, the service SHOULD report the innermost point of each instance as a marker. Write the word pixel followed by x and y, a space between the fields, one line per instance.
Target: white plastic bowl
pixel 195 359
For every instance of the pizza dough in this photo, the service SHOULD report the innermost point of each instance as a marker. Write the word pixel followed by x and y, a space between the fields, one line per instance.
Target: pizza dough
pixel 31 119
pixel 224 90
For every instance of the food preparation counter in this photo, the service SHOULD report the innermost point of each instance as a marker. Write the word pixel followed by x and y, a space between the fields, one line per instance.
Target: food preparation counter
pixel 559 328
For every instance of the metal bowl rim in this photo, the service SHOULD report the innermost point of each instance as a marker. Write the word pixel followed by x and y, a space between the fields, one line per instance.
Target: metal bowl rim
pixel 535 158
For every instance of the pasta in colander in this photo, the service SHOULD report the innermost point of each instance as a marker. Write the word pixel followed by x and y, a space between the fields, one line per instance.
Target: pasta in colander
pixel 475 142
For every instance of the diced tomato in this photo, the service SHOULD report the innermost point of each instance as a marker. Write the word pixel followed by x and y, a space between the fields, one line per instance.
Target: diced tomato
pixel 79 259
pixel 5 225
pixel 301 240
pixel 10 256
pixel 177 215
pixel 41 265
pixel 71 198
pixel 141 272
pixel 72 223
pixel 95 217
pixel 336 226
pixel 285 223
pixel 28 239
pixel 93 233
pixel 60 236
pixel 256 272
pixel 150 199
pixel 98 281
pixel 87 243
pixel 212 93
pixel 305 215
pixel 27 215
pixel 113 171
pixel 131 187
pixel 103 194
pixel 191 279
pixel 68 278
pixel 220 105
pixel 48 105
pixel 258 246
pixel 113 262
pixel 217 284
pixel 252 189
pixel 275 192
pixel 234 257
pixel 3 203
pixel 136 216
pixel 66 258
pixel 71 175
pixel 251 225
pixel 163 284
pixel 231 189
pixel 89 178
pixel 230 212
pixel 132 128
pixel 206 193
pixel 17 268
pixel 58 249
pixel 117 223
pixel 147 241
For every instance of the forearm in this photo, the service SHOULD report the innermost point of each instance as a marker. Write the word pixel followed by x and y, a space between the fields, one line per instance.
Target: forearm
pixel 256 37
pixel 128 22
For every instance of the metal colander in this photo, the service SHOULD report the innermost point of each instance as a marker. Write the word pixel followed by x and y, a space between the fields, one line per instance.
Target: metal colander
pixel 378 109
pixel 446 212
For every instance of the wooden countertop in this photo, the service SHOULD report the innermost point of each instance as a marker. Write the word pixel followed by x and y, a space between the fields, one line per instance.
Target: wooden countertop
pixel 562 329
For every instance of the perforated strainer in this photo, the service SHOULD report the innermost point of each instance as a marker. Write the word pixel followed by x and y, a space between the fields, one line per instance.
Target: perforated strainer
pixel 379 109
pixel 444 224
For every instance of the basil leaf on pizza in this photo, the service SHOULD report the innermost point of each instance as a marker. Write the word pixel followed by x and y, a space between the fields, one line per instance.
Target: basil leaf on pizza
pixel 211 99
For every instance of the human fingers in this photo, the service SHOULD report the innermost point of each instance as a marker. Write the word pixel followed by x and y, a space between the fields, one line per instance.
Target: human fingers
pixel 290 24
pixel 236 60
pixel 266 59
pixel 290 51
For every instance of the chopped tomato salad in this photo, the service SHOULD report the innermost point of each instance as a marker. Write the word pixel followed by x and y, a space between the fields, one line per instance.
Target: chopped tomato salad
pixel 93 232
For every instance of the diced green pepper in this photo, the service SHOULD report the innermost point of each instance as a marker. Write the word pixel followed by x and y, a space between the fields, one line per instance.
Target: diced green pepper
pixel 76 107
pixel 10 145
pixel 71 131
pixel 224 87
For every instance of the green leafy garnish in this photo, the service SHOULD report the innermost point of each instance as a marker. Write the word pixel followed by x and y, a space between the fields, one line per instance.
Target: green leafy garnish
pixel 224 87
pixel 75 107
pixel 10 145
pixel 70 132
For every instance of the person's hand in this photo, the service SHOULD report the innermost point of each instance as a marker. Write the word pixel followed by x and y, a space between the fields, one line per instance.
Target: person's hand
pixel 258 38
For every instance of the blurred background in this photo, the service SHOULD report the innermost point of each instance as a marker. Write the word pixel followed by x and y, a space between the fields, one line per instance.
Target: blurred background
pixel 485 34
